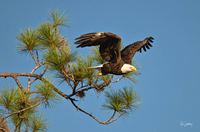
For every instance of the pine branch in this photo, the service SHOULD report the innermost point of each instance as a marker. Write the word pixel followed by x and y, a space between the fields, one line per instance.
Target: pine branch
pixel 108 121
pixel 5 75
pixel 35 76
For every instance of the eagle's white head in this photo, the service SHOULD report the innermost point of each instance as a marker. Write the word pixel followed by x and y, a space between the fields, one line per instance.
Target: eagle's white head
pixel 126 68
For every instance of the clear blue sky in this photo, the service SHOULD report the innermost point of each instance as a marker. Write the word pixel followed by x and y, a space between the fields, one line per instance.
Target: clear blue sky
pixel 169 84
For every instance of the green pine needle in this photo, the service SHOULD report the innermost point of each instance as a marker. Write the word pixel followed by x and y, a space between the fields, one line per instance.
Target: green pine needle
pixel 46 92
pixel 15 100
pixel 48 36
pixel 81 69
pixel 29 40
pixel 114 101
pixel 57 59
pixel 38 124
pixel 8 98
pixel 58 19
pixel 121 100
pixel 129 97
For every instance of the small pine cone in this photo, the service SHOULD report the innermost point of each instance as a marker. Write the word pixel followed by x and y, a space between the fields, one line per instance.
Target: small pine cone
pixel 80 94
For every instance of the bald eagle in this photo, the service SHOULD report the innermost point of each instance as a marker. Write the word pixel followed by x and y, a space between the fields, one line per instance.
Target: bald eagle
pixel 117 61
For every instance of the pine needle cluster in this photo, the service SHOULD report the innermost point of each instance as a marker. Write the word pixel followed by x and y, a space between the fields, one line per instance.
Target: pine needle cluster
pixel 46 93
pixel 57 59
pixel 121 101
pixel 80 69
pixel 21 108
pixel 29 40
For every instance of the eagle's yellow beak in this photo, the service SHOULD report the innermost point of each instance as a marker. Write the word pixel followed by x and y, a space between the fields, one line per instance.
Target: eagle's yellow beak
pixel 133 69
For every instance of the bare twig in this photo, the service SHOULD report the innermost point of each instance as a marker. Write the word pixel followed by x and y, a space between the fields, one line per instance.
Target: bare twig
pixel 37 57
pixel 29 78
pixel 34 57
pixel 44 71
pixel 41 75
pixel 18 83
pixel 18 127
pixel 68 78
pixel 82 86
pixel 82 90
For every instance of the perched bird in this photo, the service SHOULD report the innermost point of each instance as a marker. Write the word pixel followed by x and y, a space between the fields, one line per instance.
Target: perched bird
pixel 117 61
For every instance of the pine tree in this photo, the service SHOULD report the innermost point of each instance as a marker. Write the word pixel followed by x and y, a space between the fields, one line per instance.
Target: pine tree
pixel 51 52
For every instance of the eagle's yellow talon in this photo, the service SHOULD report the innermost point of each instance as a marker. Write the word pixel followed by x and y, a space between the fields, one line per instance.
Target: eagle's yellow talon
pixel 99 74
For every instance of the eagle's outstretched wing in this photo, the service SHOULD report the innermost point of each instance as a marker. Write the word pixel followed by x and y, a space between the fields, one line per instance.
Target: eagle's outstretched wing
pixel 110 44
pixel 129 51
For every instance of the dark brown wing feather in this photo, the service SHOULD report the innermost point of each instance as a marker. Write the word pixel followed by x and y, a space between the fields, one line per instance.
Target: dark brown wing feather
pixel 110 44
pixel 129 51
